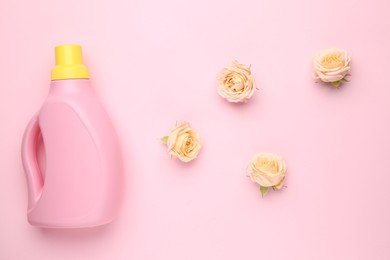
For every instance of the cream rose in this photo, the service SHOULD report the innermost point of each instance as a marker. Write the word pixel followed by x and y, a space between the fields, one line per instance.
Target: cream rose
pixel 267 170
pixel 332 65
pixel 183 142
pixel 236 83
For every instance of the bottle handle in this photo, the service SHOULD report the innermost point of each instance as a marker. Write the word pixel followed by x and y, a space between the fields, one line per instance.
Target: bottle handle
pixel 30 162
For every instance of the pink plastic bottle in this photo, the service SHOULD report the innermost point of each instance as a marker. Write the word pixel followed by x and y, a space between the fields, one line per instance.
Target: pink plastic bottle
pixel 81 185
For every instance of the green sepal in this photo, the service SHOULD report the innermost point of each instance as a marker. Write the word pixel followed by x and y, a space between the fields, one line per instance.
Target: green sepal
pixel 263 190
pixel 164 139
pixel 336 83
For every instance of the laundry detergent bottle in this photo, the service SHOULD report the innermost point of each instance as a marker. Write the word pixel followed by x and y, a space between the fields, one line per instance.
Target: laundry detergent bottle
pixel 80 182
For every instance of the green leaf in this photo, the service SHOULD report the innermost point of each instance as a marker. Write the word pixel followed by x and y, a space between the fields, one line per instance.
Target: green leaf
pixel 344 80
pixel 263 190
pixel 164 139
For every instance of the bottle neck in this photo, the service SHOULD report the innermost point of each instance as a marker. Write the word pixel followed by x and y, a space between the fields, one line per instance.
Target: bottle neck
pixel 69 86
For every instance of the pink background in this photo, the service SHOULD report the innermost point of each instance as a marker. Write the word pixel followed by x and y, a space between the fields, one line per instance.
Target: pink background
pixel 154 63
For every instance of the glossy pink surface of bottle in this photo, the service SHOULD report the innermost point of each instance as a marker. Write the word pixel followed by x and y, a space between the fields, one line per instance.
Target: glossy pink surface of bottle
pixel 82 181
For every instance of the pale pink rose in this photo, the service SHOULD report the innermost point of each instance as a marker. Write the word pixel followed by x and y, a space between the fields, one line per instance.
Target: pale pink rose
pixel 236 83
pixel 332 65
pixel 183 142
pixel 267 170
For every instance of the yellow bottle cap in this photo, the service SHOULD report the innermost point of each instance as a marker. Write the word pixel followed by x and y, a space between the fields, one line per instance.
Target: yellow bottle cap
pixel 69 63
